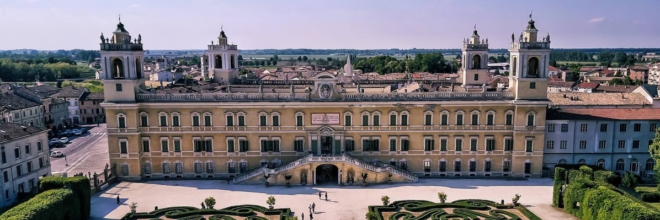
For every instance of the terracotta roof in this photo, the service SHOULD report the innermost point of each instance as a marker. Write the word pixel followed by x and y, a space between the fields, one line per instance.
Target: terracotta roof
pixel 14 102
pixel 71 92
pixel 596 99
pixel 619 89
pixel 604 113
pixel 552 68
pixel 16 131
pixel 561 84
pixel 588 85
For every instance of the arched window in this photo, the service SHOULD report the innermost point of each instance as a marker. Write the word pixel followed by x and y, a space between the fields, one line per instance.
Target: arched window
pixel 527 169
pixel 218 62
pixel 444 117
pixel 533 67
pixel 428 118
pixel 138 68
pixel 146 167
pixel 601 163
pixel 619 165
pixel 121 121
pixel 166 167
pixel 474 120
pixel 562 161
pixel 404 118
pixel 210 166
pixel 457 165
pixel 232 62
pixel 375 116
pixel 117 68
pixel 393 116
pixel 427 165
pixel 208 121
pixel 198 166
pixel 531 116
pixel 634 165
pixel 515 66
pixel 476 62
pixel 650 163
pixel 178 167
pixel 472 165
pixel 195 119
pixel 490 117
pixel 582 162
pixel 459 117
pixel 508 120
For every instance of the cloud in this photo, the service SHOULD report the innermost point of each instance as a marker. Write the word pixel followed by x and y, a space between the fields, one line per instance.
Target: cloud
pixel 596 20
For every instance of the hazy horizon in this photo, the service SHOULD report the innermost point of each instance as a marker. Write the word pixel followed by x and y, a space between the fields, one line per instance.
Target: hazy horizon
pixel 343 24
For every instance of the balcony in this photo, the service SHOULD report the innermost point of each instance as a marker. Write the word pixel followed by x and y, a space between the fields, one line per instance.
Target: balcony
pixel 121 47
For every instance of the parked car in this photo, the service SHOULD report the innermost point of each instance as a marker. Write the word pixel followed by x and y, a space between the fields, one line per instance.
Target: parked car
pixel 77 132
pixel 64 140
pixel 54 141
pixel 56 154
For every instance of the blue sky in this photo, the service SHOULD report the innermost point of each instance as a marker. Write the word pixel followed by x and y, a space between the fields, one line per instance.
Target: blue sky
pixel 359 24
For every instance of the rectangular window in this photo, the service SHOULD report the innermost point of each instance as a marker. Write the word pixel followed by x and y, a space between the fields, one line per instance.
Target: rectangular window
pixel 230 145
pixel 459 144
pixel 583 144
pixel 427 166
pixel 563 144
pixel 459 119
pixel 603 127
pixel 299 120
pixel 27 149
pixel 230 120
pixel 405 145
pixel 550 145
pixel 164 145
pixel 427 120
pixel 602 144
pixel 5 176
pixel 443 144
pixel 488 166
pixel 622 127
pixel 428 144
pixel 143 121
pixel 637 127
pixel 529 146
pixel 195 120
pixel 262 120
pixel 241 120
pixel 564 127
pixel 276 120
pixel 19 170
pixel 298 145
pixel 653 127
pixel 392 144
pixel 118 87
pixel 551 127
pixel 177 145
pixel 163 120
pixel 475 119
pixel 472 166
pixel 490 119
pixel 490 144
pixel 207 120
pixel 584 127
pixel 349 145
pixel 376 120
pixel 532 85
pixel 473 144
pixel 621 144
pixel 41 162
pixel 457 166
pixel 123 147
pixel 175 121
pixel 365 120
pixel 635 144
pixel 404 120
pixel 509 119
pixel 444 120
pixel 39 146
pixel 4 155
pixel 122 122
pixel 198 145
pixel 17 153
pixel 508 144
pixel 348 120
pixel 392 120
pixel 243 145
pixel 530 120
pixel 29 166
pixel 145 146
pixel 443 166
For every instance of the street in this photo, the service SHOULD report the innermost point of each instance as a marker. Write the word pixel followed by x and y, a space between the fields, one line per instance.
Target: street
pixel 85 153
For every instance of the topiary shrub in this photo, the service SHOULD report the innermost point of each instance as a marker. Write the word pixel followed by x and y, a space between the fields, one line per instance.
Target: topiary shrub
pixel 586 173
pixel 629 180
pixel 650 196
pixel 560 179
pixel 78 184
pixel 56 204
pixel 607 176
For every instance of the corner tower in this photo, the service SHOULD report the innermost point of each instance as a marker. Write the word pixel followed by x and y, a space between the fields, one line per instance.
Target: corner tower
pixel 121 62
pixel 223 60
pixel 475 60
pixel 529 59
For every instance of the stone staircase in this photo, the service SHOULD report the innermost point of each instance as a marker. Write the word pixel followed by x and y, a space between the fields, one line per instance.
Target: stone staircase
pixel 374 167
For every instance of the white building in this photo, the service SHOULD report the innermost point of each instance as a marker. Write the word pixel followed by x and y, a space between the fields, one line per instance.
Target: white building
pixel 17 109
pixel 72 95
pixel 23 159
pixel 223 60
pixel 654 74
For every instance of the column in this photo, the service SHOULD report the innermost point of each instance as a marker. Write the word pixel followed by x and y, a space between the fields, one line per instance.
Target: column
pixel 313 177
pixel 339 177
pixel 125 67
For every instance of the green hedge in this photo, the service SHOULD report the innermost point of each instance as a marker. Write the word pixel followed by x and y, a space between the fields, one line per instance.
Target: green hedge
pixel 650 196
pixel 560 178
pixel 463 209
pixel 57 204
pixel 187 212
pixel 80 186
pixel 607 177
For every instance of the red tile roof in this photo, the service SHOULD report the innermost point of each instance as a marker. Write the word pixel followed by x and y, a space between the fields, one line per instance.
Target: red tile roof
pixel 605 113
pixel 588 85
pixel 552 68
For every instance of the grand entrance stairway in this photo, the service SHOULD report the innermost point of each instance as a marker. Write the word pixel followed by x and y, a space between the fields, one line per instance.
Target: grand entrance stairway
pixel 373 167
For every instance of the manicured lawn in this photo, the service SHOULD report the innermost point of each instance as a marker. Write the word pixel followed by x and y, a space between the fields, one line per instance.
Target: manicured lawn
pixel 640 189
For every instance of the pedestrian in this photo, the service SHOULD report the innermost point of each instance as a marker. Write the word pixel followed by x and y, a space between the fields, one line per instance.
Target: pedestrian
pixel 313 207
pixel 319 194
pixel 326 196
pixel 310 208
pixel 302 216
pixel 311 216
pixel 117 199
pixel 203 206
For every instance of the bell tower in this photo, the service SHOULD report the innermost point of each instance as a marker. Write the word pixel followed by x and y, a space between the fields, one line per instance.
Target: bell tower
pixel 529 59
pixel 121 62
pixel 223 60
pixel 475 60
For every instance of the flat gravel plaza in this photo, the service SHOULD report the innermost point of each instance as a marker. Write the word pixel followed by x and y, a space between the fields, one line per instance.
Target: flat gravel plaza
pixel 348 202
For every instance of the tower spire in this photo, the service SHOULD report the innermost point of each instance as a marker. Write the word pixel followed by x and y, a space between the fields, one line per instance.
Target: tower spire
pixel 119 18
pixel 530 15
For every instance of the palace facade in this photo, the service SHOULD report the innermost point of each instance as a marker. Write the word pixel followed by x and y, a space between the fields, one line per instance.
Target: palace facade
pixel 329 128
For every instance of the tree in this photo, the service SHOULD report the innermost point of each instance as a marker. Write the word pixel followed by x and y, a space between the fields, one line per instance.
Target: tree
pixel 371 216
pixel 654 150
pixel 385 199
pixel 616 81
pixel 210 202
pixel 304 58
pixel 240 57
pixel 329 59
pixel 299 58
pixel 270 202
pixel 506 73
pixel 442 196
pixel 497 71
pixel 492 59
pixel 627 80
pixel 629 180
pixel 501 59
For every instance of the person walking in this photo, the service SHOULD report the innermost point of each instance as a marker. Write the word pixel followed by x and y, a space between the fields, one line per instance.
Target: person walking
pixel 319 194
pixel 302 216
pixel 203 207
pixel 310 208
pixel 313 207
pixel 326 196
pixel 311 216
pixel 117 199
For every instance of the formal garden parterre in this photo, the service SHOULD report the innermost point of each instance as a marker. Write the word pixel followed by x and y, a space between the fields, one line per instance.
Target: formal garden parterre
pixel 459 209
pixel 248 212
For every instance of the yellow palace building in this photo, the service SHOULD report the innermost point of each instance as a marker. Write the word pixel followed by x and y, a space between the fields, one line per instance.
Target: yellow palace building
pixel 331 128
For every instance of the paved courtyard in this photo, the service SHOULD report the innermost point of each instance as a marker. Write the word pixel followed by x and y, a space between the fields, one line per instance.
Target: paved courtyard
pixel 349 202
